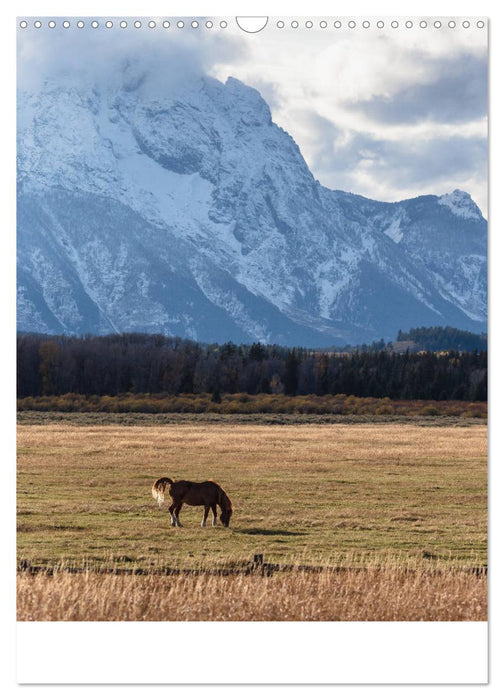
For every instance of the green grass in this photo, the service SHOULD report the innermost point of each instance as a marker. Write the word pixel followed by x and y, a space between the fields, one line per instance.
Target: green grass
pixel 305 493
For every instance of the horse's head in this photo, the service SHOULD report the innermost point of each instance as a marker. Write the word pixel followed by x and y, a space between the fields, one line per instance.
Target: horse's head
pixel 226 516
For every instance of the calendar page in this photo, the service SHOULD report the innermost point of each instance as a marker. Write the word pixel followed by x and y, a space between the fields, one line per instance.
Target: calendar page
pixel 252 346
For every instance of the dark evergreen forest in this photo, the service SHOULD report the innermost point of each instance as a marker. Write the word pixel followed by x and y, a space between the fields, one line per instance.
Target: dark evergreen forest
pixel 137 363
pixel 439 338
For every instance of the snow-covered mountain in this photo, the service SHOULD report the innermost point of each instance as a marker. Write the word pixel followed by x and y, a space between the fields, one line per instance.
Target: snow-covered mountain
pixel 189 212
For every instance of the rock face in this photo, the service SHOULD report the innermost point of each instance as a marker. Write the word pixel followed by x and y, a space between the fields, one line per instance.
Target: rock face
pixel 189 212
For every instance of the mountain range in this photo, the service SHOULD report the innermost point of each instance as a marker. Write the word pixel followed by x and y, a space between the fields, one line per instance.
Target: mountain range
pixel 187 211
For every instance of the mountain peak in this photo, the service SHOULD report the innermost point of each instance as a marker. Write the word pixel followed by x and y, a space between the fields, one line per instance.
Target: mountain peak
pixel 249 102
pixel 461 204
pixel 237 84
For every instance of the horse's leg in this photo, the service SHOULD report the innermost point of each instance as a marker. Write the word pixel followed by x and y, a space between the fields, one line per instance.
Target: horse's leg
pixel 205 516
pixel 177 511
pixel 171 509
pixel 214 515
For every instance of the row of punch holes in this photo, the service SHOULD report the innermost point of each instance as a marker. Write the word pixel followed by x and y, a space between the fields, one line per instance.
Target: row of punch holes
pixel 280 24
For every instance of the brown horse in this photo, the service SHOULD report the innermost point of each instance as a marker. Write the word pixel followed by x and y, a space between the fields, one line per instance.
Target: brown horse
pixel 208 494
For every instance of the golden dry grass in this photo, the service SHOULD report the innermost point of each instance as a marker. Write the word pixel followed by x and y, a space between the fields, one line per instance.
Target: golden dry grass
pixel 370 594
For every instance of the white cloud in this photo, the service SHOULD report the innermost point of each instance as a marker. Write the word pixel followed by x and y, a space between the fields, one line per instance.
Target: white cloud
pixel 170 57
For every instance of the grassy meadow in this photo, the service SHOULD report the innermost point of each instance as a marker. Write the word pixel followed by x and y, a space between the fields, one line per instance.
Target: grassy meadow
pixel 369 496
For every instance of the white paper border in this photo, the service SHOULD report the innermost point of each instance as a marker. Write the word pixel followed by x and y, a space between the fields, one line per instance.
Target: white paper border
pixel 126 637
pixel 253 652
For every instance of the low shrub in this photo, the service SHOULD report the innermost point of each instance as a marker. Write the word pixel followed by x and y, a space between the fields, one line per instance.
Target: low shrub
pixel 251 404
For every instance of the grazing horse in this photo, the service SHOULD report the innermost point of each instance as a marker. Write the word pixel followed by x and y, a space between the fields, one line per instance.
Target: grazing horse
pixel 208 494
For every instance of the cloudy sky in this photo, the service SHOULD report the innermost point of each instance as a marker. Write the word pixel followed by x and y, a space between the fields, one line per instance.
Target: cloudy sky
pixel 389 114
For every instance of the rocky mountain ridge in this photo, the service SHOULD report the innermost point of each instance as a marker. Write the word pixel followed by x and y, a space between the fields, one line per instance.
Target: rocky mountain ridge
pixel 189 212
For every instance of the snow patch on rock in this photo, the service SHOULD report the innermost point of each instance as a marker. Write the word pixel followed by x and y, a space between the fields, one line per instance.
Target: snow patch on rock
pixel 461 204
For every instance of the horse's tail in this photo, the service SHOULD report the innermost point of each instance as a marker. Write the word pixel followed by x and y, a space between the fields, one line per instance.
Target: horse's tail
pixel 159 488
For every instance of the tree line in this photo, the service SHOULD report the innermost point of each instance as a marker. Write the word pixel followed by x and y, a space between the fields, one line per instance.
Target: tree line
pixel 448 338
pixel 154 364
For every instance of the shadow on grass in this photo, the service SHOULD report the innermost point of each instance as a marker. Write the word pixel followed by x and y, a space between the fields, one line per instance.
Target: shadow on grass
pixel 263 531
